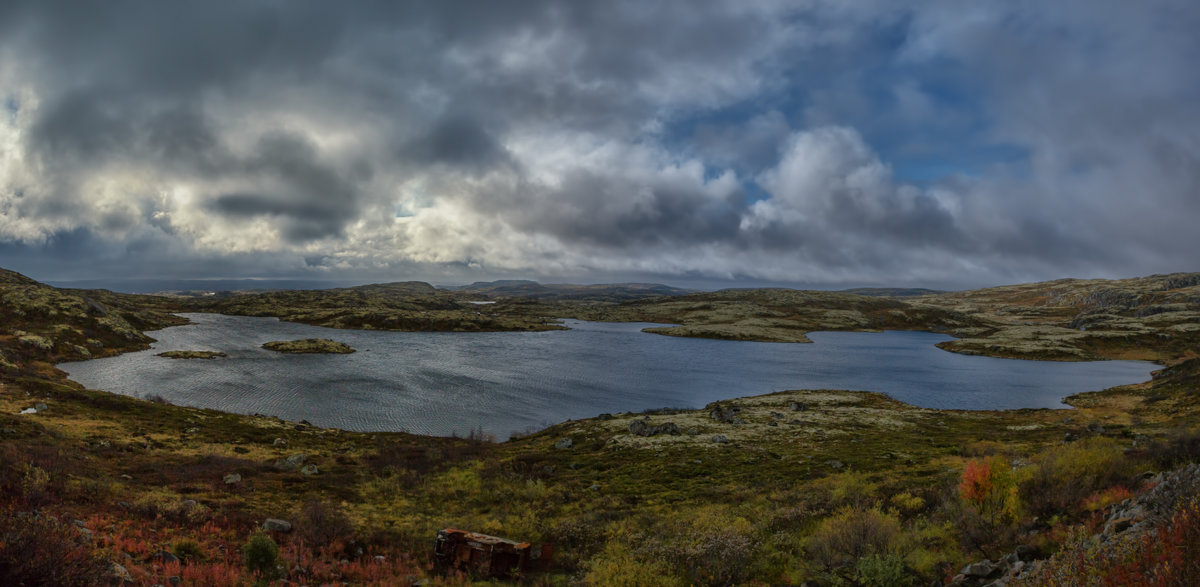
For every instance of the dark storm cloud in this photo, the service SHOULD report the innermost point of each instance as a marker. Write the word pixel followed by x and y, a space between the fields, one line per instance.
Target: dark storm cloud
pixel 313 201
pixel 457 142
pixel 768 140
pixel 587 208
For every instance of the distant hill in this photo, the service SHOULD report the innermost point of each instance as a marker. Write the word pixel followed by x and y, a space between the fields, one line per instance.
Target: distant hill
pixel 892 292
pixel 511 288
pixel 197 286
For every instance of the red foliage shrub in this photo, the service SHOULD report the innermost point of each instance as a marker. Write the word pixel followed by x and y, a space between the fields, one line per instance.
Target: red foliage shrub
pixel 1168 557
pixel 39 550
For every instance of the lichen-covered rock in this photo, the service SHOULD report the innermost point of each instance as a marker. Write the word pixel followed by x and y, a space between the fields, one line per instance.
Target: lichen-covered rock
pixel 308 346
pixel 277 525
pixel 291 463
pixel 192 354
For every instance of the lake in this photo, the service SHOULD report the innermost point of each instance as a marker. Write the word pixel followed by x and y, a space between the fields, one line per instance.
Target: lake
pixel 443 383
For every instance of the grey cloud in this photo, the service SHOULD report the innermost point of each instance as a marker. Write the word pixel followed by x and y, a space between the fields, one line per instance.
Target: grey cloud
pixel 314 200
pixel 458 142
pixel 315 118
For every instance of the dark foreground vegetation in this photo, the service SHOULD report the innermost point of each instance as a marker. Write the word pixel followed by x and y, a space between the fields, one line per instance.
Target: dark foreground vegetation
pixel 826 487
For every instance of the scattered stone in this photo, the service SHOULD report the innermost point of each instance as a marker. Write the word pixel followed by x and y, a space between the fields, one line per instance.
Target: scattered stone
pixel 189 504
pixel 777 415
pixel 1070 437
pixel 41 407
pixel 233 479
pixel 291 463
pixel 564 443
pixel 127 477
pixel 720 439
pixel 644 428
pixel 639 427
pixel 120 573
pixel 279 442
pixel 725 415
pixel 772 423
pixel 693 431
pixel 836 464
pixel 164 556
pixel 981 569
pixel 28 411
pixel 277 525
pixel 799 407
pixel 1117 526
pixel 595 487
pixel 309 470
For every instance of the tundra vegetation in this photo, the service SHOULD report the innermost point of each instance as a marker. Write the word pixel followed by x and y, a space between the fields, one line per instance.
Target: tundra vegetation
pixel 826 486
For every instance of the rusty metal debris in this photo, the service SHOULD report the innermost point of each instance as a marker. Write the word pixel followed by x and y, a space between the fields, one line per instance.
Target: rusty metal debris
pixel 489 556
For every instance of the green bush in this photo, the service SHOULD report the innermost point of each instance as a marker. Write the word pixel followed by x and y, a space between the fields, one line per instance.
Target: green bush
pixel 852 534
pixel 1065 475
pixel 882 571
pixel 187 550
pixel 260 555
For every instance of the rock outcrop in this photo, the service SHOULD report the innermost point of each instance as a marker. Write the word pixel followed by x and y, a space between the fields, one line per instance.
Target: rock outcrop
pixel 1128 520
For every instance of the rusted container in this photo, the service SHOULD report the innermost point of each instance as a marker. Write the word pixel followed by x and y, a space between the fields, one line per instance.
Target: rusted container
pixel 489 556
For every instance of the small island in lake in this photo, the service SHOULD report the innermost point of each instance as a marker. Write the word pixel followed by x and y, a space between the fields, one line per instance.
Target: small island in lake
pixel 192 354
pixel 308 345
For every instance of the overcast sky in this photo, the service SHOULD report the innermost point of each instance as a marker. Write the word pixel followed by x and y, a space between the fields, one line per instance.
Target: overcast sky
pixel 944 144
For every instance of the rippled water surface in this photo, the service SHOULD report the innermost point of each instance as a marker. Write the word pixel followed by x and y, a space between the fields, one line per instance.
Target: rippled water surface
pixel 444 383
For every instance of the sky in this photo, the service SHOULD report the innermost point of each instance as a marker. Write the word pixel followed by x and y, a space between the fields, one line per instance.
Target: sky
pixel 935 143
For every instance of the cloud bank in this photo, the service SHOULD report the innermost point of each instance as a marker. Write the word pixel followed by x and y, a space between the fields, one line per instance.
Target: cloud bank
pixel 827 142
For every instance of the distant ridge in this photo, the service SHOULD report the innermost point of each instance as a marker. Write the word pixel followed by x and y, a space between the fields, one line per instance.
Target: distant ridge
pixel 145 286
pixel 564 291
pixel 893 292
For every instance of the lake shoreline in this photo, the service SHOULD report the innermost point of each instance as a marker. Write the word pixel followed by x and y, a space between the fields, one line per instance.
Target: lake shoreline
pixel 424 393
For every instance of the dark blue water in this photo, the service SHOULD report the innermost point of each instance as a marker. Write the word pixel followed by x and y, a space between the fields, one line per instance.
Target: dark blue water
pixel 444 383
